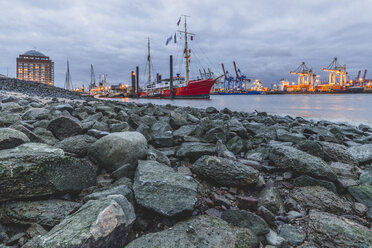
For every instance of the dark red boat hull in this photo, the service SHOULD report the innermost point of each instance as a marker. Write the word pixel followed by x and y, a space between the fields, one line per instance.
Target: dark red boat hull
pixel 199 89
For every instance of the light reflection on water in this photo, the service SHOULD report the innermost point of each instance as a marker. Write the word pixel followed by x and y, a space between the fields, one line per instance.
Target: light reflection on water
pixel 353 108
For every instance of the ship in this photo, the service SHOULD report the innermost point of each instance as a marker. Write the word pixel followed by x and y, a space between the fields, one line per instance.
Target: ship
pixel 178 87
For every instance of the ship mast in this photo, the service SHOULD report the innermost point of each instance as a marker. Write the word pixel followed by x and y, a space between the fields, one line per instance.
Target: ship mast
pixel 149 60
pixel 186 54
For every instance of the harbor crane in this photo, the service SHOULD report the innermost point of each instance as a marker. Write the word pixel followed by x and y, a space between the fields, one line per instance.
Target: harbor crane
pixel 241 80
pixel 305 75
pixel 337 73
pixel 229 80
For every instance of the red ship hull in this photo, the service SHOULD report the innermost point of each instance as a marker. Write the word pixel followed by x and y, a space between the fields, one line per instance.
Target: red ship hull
pixel 195 89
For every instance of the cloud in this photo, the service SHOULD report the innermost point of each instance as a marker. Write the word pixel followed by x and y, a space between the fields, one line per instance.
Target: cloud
pixel 267 39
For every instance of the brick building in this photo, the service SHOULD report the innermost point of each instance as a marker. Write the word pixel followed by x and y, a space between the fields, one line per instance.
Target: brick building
pixel 35 66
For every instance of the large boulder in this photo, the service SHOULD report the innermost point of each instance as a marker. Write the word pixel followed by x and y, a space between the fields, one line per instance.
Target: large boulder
pixel 45 212
pixel 158 187
pixel 63 127
pixel 10 138
pixel 363 153
pixel 116 149
pixel 194 150
pixel 199 232
pixel 225 171
pixel 78 144
pixel 328 230
pixel 301 162
pixel 242 218
pixel 316 197
pixel 98 223
pixel 35 169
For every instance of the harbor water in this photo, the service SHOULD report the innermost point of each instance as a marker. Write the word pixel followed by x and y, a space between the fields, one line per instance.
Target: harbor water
pixel 351 108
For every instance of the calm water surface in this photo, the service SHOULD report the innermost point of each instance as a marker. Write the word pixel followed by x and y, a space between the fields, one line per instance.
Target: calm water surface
pixel 352 108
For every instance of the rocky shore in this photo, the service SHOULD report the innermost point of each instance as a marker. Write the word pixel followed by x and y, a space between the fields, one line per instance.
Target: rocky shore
pixel 110 174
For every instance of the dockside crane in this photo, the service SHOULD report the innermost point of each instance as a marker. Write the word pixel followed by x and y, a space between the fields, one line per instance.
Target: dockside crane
pixel 305 75
pixel 228 79
pixel 337 73
pixel 365 75
pixel 241 79
pixel 358 77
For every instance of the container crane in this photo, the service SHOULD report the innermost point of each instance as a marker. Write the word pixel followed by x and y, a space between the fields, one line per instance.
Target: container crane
pixel 336 71
pixel 365 75
pixel 305 75
pixel 228 79
pixel 241 80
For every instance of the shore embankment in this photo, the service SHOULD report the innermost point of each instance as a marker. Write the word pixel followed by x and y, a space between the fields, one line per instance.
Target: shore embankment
pixel 79 172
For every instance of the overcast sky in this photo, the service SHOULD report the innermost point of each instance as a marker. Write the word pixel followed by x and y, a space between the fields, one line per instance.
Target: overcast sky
pixel 267 38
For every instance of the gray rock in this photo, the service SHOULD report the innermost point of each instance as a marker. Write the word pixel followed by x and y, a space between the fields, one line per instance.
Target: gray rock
pixel 123 190
pixel 178 119
pixel 116 149
pixel 362 193
pixel 366 177
pixel 328 230
pixel 153 154
pixel 162 134
pixel 158 187
pixel 223 152
pixel 120 127
pixel 292 235
pixel 35 169
pixel 45 212
pixel 194 150
pixel 199 232
pixel 97 133
pixel 236 145
pixel 63 127
pixel 123 171
pixel 304 180
pixel 363 153
pixel 316 197
pixel 98 223
pixel 270 198
pixel 344 170
pixel 274 239
pixel 242 218
pixel 311 147
pixel 45 135
pixel 225 171
pixel 36 114
pixel 301 162
pixel 7 119
pixel 286 136
pixel 183 131
pixel 337 153
pixel 10 138
pixel 79 144
pixel 31 135
pixel 63 107
pixel 234 125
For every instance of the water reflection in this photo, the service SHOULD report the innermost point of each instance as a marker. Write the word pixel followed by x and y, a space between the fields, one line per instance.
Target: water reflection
pixel 354 108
